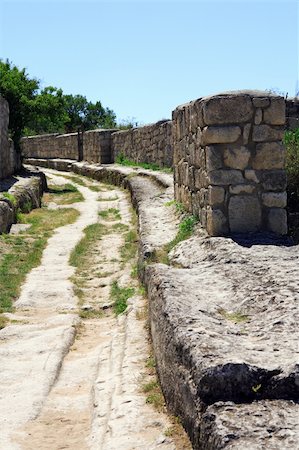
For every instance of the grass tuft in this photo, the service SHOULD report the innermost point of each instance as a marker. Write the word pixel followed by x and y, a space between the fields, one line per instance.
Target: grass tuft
pixel 120 295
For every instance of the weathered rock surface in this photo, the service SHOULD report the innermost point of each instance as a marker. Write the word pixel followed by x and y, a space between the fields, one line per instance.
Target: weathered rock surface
pixel 225 329
pixel 27 190
pixel 224 325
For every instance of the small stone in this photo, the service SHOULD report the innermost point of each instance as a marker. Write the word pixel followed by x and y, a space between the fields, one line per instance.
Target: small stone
pixel 220 135
pixel 263 133
pixel 242 189
pixel 236 158
pixel 275 199
pixel 86 307
pixel 213 158
pixel 261 102
pixel 225 177
pixel 216 223
pixel 275 114
pixel 251 175
pixel 245 214
pixel 258 116
pixel 277 221
pixel 216 195
pixel 269 156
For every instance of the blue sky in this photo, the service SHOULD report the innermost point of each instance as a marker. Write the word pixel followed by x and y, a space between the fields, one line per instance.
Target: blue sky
pixel 143 58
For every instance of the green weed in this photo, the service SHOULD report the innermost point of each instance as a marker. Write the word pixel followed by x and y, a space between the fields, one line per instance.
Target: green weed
pixel 120 295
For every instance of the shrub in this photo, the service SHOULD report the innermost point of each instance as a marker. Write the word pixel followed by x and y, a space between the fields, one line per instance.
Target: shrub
pixel 291 140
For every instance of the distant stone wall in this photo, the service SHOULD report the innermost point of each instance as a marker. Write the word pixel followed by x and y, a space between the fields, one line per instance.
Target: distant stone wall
pixel 149 144
pixel 229 162
pixel 9 159
pixel 96 146
pixel 292 113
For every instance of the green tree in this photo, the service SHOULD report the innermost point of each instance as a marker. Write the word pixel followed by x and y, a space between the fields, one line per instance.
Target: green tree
pixel 20 92
pixel 87 115
pixel 50 115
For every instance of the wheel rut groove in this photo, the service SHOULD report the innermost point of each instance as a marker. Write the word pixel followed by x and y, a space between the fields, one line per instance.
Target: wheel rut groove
pixel 72 383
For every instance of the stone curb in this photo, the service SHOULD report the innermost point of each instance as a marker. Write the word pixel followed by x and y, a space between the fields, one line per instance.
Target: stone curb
pixel 27 189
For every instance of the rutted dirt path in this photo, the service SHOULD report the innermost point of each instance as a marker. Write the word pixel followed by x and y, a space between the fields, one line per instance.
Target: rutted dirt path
pixel 76 384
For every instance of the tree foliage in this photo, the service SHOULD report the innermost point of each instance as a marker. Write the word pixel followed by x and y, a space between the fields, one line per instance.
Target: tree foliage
pixel 36 111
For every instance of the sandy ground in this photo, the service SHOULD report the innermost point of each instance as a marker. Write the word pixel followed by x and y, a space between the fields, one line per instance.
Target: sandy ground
pixel 74 384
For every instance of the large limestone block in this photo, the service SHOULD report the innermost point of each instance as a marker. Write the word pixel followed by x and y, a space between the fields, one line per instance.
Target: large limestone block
pixel 245 214
pixel 275 114
pixel 216 195
pixel 274 180
pixel 225 177
pixel 224 109
pixel 213 158
pixel 262 133
pixel 220 135
pixel 236 158
pixel 277 221
pixel 270 155
pixel 275 199
pixel 216 223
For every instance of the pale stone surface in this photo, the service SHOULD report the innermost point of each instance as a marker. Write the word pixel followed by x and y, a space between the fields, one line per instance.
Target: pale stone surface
pixel 270 155
pixel 244 214
pixel 225 109
pixel 258 116
pixel 236 158
pixel 242 189
pixel 275 199
pixel 264 132
pixel 216 222
pixel 277 221
pixel 220 135
pixel 275 114
pixel 216 195
pixel 225 177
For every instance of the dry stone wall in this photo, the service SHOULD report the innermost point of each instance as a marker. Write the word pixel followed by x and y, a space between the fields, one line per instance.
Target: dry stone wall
pixel 229 162
pixel 292 113
pixel 9 159
pixel 96 146
pixel 148 144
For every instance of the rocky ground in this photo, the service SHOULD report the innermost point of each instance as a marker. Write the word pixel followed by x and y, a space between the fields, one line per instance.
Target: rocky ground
pixel 77 383
pixel 223 316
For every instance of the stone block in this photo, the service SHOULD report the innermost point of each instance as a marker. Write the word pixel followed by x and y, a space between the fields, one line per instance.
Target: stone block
pixel 270 155
pixel 252 175
pixel 261 102
pixel 274 180
pixel 220 135
pixel 246 133
pixel 245 214
pixel 274 199
pixel 275 113
pixel 213 158
pixel 216 195
pixel 277 221
pixel 236 158
pixel 225 177
pixel 258 116
pixel 262 133
pixel 216 223
pixel 242 189
pixel 225 109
